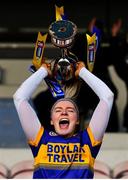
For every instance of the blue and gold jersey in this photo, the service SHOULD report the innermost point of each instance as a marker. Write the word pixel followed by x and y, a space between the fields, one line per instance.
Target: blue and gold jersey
pixel 57 157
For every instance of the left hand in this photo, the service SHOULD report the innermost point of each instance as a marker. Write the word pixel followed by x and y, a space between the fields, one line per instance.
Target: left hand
pixel 47 66
pixel 79 66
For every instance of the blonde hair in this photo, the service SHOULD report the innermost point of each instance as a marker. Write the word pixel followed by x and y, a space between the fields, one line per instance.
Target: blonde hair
pixel 71 90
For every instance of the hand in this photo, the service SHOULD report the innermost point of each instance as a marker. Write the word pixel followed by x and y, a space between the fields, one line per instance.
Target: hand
pixel 79 66
pixel 116 28
pixel 47 66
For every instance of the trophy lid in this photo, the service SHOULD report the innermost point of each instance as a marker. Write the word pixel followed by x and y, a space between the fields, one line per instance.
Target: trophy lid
pixel 62 33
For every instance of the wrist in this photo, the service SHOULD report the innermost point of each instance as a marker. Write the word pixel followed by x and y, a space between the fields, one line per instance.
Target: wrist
pixel 44 71
pixel 82 71
pixel 47 68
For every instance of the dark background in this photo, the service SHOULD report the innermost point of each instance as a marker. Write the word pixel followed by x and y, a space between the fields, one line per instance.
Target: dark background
pixel 20 20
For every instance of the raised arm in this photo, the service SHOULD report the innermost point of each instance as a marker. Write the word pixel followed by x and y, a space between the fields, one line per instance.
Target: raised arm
pixel 100 117
pixel 28 118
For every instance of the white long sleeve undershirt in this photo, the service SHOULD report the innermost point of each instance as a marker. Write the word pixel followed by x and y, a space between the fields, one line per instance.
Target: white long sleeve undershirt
pixel 100 117
pixel 28 118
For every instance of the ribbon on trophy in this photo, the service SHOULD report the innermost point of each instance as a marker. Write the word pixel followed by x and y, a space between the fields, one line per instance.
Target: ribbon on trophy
pixel 38 52
pixel 59 13
pixel 97 31
pixel 91 51
pixel 55 88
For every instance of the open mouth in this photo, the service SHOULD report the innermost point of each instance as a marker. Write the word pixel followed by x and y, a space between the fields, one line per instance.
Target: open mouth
pixel 64 123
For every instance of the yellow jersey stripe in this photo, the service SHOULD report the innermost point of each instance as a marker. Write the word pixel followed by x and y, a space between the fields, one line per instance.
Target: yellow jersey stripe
pixel 92 138
pixel 38 137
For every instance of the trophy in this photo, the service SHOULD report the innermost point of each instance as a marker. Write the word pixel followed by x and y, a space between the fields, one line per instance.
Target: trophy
pixel 62 36
pixel 62 32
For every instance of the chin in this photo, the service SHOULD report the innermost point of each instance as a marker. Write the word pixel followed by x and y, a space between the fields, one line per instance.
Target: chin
pixel 64 133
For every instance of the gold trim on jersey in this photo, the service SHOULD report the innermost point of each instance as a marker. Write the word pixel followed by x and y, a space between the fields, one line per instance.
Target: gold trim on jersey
pixel 64 166
pixel 38 137
pixel 92 138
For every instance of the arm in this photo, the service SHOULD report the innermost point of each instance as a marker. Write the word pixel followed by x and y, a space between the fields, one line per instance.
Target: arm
pixel 28 118
pixel 102 112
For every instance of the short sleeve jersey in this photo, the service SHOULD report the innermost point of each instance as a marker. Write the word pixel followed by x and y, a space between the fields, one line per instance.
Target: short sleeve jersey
pixel 57 157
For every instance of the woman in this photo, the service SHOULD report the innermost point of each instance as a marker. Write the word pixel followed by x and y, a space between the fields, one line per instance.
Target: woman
pixel 64 153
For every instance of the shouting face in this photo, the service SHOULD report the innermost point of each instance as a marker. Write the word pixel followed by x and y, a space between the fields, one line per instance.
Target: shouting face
pixel 64 118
